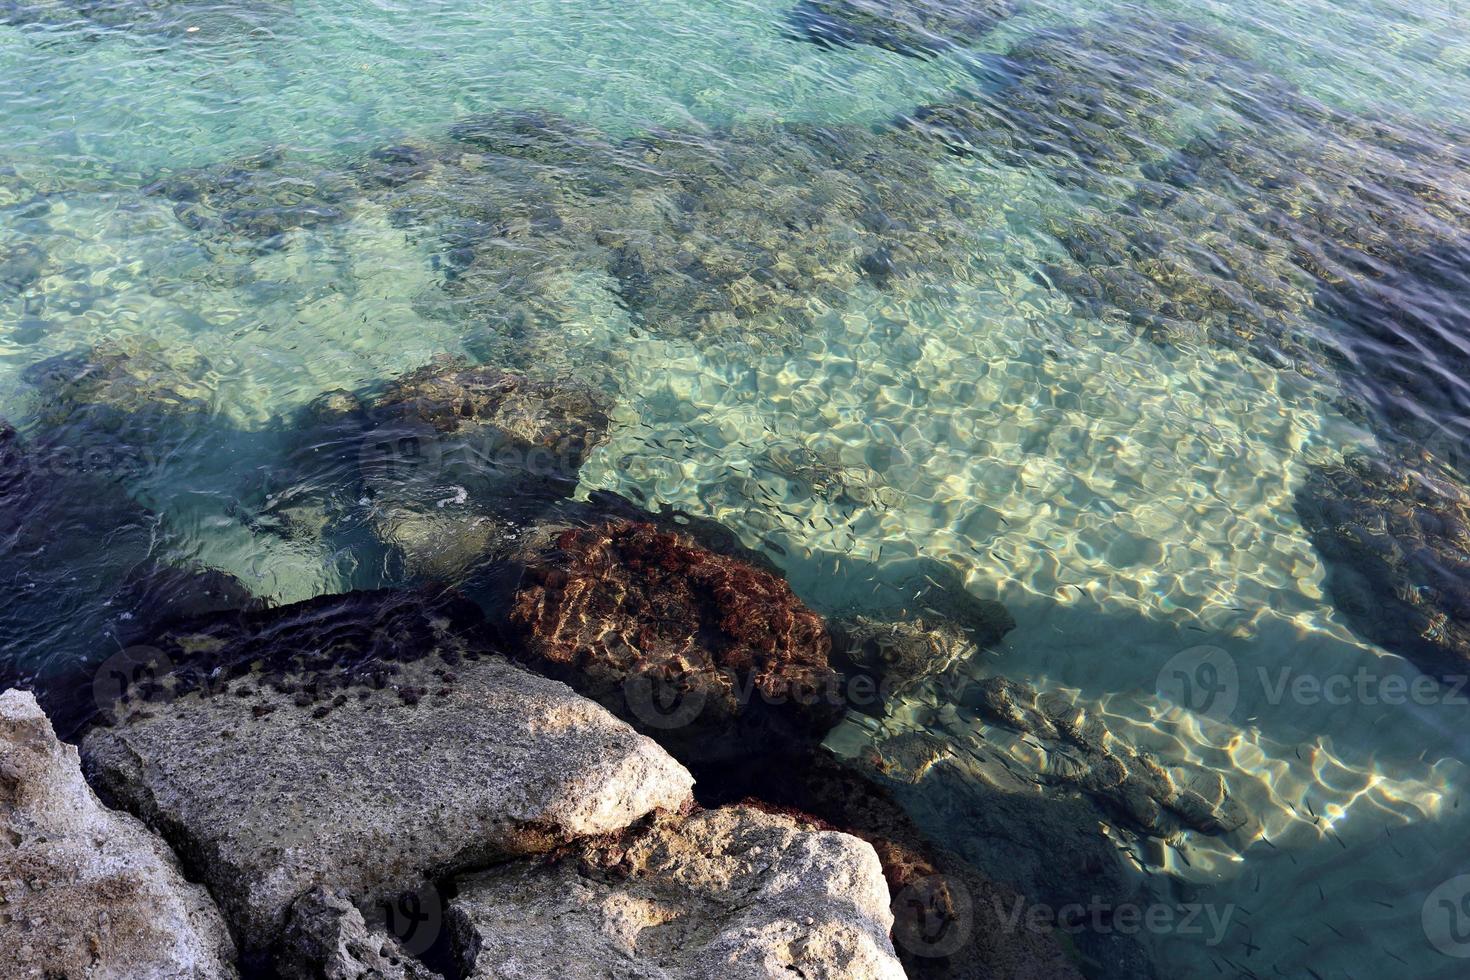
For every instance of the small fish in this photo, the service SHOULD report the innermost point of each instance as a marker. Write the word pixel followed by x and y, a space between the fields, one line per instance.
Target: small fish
pixel 1334 929
pixel 1386 905
pixel 1301 940
pixel 1313 972
pixel 1397 957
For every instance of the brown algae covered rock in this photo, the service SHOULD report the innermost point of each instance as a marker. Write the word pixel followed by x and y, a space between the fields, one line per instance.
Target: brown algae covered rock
pixel 716 657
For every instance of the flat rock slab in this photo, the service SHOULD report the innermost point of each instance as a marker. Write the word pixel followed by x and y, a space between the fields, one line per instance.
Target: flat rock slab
pixel 85 891
pixel 734 893
pixel 273 783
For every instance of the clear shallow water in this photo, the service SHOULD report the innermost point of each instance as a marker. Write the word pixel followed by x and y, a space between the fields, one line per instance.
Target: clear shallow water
pixel 1127 489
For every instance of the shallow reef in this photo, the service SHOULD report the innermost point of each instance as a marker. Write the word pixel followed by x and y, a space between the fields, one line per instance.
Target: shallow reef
pixel 1089 102
pixel 1394 532
pixel 742 231
pixel 259 199
pixel 918 28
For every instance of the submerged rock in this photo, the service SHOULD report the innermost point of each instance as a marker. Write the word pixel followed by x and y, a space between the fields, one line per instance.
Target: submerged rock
pixel 1084 754
pixel 259 198
pixel 716 657
pixel 368 743
pixel 1086 102
pixel 457 457
pixel 86 891
pixel 1308 237
pixel 912 27
pixel 87 570
pixel 733 892
pixel 1394 534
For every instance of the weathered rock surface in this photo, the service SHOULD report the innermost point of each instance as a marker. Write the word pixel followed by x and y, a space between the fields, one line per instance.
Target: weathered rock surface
pixel 716 656
pixel 951 920
pixel 328 939
pixel 85 891
pixel 366 742
pixel 734 892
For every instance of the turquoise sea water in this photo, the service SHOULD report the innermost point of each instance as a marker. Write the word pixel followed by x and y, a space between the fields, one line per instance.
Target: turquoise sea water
pixel 1118 463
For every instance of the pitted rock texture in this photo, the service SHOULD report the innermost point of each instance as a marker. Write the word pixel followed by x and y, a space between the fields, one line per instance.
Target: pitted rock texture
pixel 328 939
pixel 363 743
pixel 734 893
pixel 715 656
pixel 85 891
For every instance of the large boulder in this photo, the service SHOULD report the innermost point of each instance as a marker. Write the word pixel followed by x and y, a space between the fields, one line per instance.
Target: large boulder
pixel 86 891
pixel 734 892
pixel 951 919
pixel 716 657
pixel 368 743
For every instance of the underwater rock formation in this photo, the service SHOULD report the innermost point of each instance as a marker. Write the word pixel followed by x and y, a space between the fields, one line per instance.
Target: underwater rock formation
pixel 366 742
pixel 87 570
pixel 87 891
pixel 749 227
pixel 743 231
pixel 918 28
pixel 714 656
pixel 1050 850
pixel 733 892
pixel 1394 534
pixel 455 457
pixel 1090 101
pixel 260 198
pixel 1267 235
pixel 1084 754
pixel 898 654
